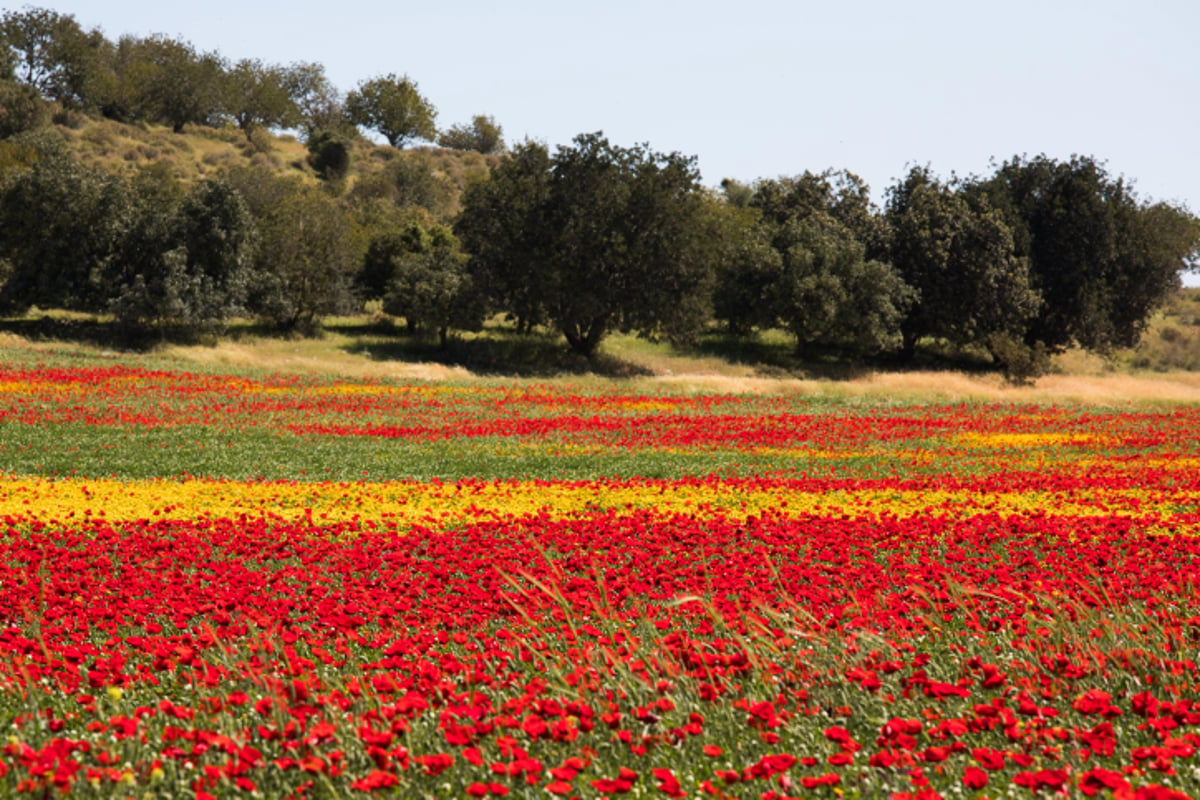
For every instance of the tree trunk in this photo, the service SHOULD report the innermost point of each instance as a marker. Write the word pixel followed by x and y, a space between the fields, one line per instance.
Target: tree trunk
pixel 585 340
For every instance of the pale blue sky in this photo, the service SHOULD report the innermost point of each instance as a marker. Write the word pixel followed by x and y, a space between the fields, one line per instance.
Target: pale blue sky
pixel 760 88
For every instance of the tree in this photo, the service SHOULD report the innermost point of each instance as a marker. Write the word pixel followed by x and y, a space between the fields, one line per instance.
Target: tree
pixel 8 60
pixel 384 252
pixel 184 263
pixel 394 107
pixel 503 227
pixel 483 135
pixel 217 230
pixel 430 286
pixel 1101 259
pixel 167 80
pixel 329 155
pixel 50 52
pixel 307 252
pixel 828 293
pixel 60 224
pixel 256 95
pixel 611 238
pixel 801 259
pixel 838 193
pixel 321 106
pixel 748 268
pixel 959 255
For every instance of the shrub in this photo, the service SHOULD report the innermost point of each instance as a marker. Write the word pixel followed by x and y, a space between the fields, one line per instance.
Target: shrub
pixel 1023 364
pixel 21 109
pixel 329 155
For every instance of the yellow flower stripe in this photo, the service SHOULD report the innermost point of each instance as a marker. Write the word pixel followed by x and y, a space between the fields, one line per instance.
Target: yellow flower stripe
pixel 404 503
pixel 1009 440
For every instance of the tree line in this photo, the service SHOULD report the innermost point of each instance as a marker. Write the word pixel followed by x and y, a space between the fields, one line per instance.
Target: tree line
pixel 165 80
pixel 587 239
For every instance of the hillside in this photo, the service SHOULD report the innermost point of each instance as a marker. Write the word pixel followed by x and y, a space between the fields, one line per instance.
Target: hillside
pixel 434 178
pixel 201 152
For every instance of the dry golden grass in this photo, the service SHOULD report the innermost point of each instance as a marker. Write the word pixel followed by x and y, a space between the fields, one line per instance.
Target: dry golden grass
pixel 326 356
pixel 310 356
pixel 331 355
pixel 194 154
pixel 956 387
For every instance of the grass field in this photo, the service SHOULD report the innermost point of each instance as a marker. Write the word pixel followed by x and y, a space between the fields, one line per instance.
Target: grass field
pixel 274 568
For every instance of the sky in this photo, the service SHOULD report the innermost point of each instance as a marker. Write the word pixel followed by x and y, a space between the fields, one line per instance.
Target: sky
pixel 760 88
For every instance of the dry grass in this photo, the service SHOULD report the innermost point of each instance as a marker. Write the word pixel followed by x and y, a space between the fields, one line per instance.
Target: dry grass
pixel 310 356
pixel 333 355
pixel 194 154
pixel 328 356
pixel 954 387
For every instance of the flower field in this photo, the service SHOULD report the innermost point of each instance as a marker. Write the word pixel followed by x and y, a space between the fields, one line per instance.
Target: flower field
pixel 217 585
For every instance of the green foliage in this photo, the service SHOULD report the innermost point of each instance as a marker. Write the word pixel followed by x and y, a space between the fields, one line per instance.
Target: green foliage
pixel 736 193
pixel 1102 260
pixel 394 107
pixel 840 194
pixel 1022 363
pixel 319 103
pixel 828 293
pixel 257 95
pixel 747 269
pixel 958 253
pixel 503 228
pixel 21 109
pixel 415 182
pixel 409 180
pixel 307 252
pixel 14 156
pixel 383 253
pixel 329 155
pixel 8 61
pixel 51 53
pixel 185 266
pixel 60 224
pixel 430 286
pixel 604 237
pixel 166 80
pixel 483 135
pixel 798 257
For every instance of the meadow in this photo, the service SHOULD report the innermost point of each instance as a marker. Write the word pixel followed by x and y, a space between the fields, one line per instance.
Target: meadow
pixel 230 582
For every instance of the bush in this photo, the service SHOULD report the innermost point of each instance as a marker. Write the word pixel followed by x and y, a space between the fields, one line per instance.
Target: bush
pixel 1023 364
pixel 329 155
pixel 70 118
pixel 21 109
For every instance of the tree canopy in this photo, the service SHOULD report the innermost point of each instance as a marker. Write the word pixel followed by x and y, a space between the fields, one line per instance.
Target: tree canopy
pixel 602 238
pixel 394 107
pixel 959 255
pixel 1101 260
pixel 483 135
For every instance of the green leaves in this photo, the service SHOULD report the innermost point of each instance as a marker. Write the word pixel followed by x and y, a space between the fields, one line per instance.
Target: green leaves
pixel 802 262
pixel 256 95
pixel 394 107
pixel 594 238
pixel 483 135
pixel 1101 259
pixel 959 254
